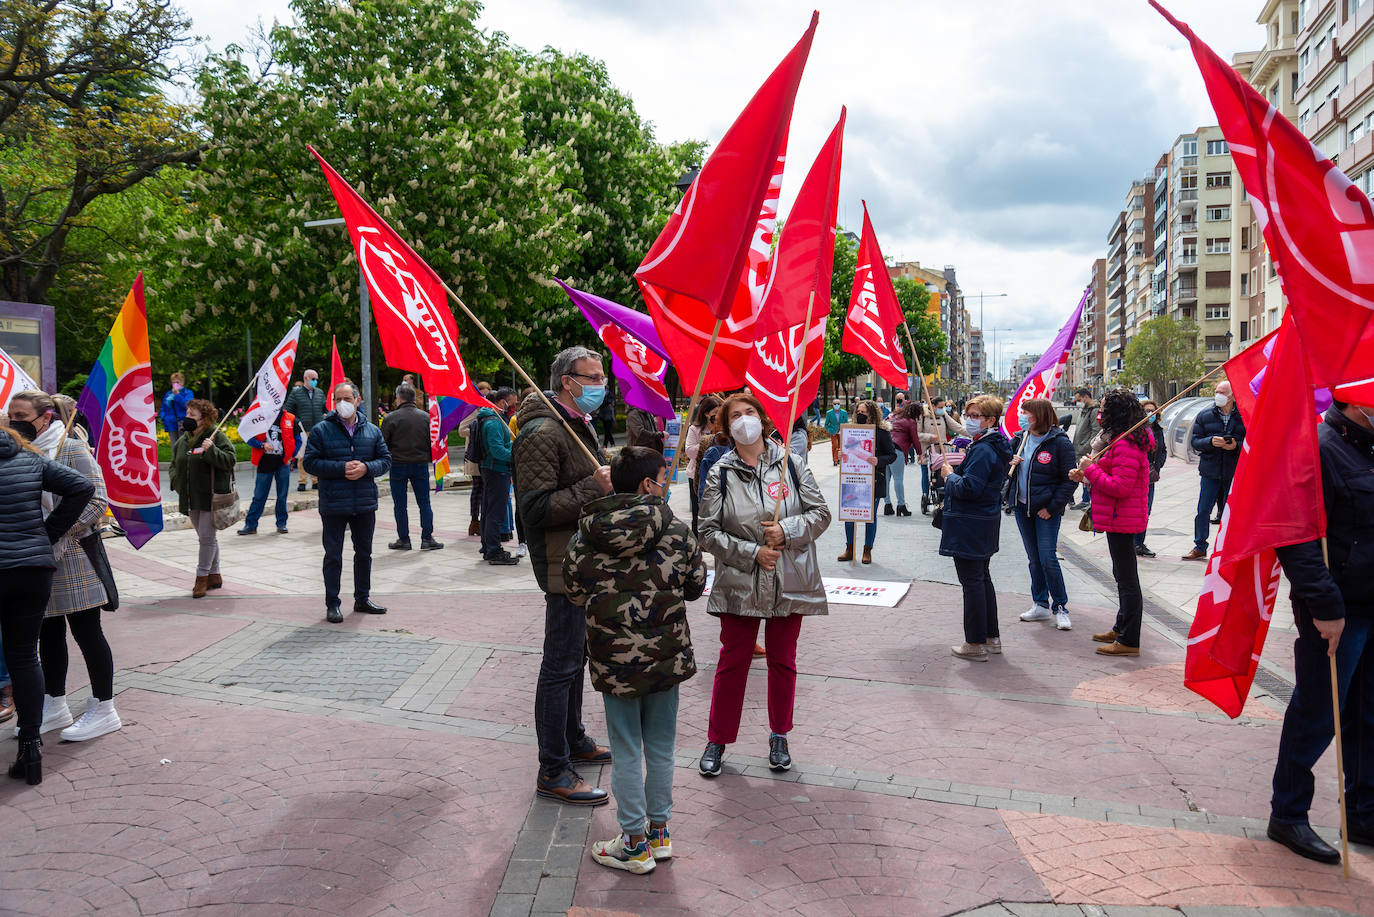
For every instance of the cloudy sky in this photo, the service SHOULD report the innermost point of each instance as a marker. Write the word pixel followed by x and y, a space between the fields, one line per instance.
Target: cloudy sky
pixel 998 136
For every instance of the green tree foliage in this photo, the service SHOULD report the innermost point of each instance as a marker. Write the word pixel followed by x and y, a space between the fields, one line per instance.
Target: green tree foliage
pixel 83 118
pixel 503 169
pixel 1162 351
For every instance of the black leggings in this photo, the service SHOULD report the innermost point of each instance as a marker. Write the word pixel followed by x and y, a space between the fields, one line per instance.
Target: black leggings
pixel 52 652
pixel 980 599
pixel 1130 600
pixel 24 594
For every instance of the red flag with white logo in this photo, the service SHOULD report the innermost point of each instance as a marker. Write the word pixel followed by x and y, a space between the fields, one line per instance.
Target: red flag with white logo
pixel 870 325
pixel 12 379
pixel 409 303
pixel 713 249
pixel 789 350
pixel 1241 583
pixel 336 372
pixel 274 378
pixel 1318 225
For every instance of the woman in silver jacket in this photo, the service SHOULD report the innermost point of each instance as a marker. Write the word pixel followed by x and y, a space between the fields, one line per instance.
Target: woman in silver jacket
pixel 765 571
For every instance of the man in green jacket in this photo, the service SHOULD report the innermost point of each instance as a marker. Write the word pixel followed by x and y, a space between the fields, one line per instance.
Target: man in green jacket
pixel 835 418
pixel 307 403
pixel 493 450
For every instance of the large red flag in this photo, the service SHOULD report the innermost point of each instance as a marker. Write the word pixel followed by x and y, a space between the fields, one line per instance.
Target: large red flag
pixel 790 354
pixel 692 275
pixel 336 372
pixel 1319 227
pixel 408 299
pixel 1241 583
pixel 870 325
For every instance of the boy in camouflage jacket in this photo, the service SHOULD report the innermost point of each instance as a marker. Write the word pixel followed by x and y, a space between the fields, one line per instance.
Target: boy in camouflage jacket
pixel 633 566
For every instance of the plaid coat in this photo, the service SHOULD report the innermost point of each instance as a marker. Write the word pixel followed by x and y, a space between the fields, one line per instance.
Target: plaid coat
pixel 75 585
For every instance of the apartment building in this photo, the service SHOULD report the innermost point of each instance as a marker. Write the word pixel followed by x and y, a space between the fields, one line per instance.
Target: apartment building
pixel 977 362
pixel 946 301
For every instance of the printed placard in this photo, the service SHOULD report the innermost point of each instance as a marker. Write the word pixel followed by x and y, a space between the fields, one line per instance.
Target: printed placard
pixel 879 593
pixel 672 430
pixel 858 471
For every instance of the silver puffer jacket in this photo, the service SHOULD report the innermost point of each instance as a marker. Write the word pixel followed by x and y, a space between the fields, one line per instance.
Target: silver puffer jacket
pixel 731 530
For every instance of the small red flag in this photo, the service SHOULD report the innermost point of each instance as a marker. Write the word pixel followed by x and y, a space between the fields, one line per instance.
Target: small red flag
pixel 789 352
pixel 1318 225
pixel 692 275
pixel 1241 583
pixel 336 373
pixel 870 325
pixel 408 299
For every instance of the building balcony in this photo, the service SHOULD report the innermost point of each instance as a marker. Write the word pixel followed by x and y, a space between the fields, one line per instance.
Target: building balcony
pixel 1357 27
pixel 1323 117
pixel 1185 260
pixel 1186 162
pixel 1184 292
pixel 1186 226
pixel 1358 152
pixel 1357 89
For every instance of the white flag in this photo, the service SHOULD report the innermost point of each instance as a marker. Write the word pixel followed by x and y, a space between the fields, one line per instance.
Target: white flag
pixel 274 378
pixel 12 379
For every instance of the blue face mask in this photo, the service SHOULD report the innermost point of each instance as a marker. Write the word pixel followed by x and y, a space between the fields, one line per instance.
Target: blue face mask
pixel 973 424
pixel 311 382
pixel 591 398
pixel 1152 418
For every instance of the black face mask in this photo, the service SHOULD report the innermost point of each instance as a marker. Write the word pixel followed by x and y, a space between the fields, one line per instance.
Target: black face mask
pixel 189 425
pixel 25 429
pixel 861 418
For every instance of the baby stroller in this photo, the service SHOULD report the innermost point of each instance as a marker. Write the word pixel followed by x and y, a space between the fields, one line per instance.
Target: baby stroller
pixel 953 455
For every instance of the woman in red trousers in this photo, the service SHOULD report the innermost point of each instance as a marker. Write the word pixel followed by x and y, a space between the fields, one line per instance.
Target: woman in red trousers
pixel 1120 482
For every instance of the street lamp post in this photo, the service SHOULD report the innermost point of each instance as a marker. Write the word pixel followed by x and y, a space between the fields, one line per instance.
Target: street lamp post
pixel 364 328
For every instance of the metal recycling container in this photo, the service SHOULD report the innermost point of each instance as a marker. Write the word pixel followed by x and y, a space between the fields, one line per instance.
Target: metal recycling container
pixel 1177 421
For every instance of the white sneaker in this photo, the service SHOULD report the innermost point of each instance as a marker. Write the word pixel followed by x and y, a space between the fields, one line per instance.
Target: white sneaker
pixel 521 550
pixel 1036 613
pixel 99 719
pixel 55 714
pixel 1061 620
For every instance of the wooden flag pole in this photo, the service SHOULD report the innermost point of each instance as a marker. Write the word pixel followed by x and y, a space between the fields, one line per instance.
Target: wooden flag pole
pixel 1340 752
pixel 225 416
pixel 925 390
pixel 692 405
pixel 796 395
pixel 1182 393
pixel 521 370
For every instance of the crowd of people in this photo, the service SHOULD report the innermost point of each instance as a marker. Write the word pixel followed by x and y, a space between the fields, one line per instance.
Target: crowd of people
pixel 617 567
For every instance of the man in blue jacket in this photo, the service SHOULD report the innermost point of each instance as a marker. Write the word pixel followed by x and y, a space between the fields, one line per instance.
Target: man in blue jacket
pixel 174 406
pixel 1333 608
pixel 494 444
pixel 1218 434
pixel 347 453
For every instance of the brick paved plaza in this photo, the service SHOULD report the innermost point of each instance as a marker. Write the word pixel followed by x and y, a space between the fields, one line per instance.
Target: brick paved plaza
pixel 271 763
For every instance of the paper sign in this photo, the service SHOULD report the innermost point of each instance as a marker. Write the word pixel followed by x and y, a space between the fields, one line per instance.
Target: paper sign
pixel 672 431
pixel 857 472
pixel 880 593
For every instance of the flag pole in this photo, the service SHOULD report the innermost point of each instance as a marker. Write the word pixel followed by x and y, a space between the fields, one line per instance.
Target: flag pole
pixel 692 405
pixel 796 396
pixel 1340 756
pixel 1182 393
pixel 225 416
pixel 925 389
pixel 520 369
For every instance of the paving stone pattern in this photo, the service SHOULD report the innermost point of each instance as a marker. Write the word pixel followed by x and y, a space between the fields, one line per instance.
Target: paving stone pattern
pixel 334 665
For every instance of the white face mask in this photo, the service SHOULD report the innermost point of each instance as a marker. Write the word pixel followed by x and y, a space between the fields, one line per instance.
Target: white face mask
pixel 345 409
pixel 746 429
pixel 973 424
pixel 1220 400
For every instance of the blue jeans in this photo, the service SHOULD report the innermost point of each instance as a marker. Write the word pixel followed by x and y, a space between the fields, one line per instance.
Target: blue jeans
pixel 1307 727
pixel 925 480
pixel 558 725
pixel 896 480
pixel 1041 538
pixel 870 528
pixel 648 723
pixel 416 475
pixel 1150 508
pixel 1206 502
pixel 262 483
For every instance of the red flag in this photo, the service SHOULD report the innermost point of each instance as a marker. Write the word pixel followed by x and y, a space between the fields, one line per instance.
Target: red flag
pixel 870 325
pixel 336 373
pixel 1241 584
pixel 1319 227
pixel 693 273
pixel 790 356
pixel 408 299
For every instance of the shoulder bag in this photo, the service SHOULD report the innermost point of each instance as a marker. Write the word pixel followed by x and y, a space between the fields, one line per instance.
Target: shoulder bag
pixel 224 508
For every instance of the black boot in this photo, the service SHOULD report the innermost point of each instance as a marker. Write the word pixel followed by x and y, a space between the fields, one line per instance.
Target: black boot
pixel 902 510
pixel 29 763
pixel 888 510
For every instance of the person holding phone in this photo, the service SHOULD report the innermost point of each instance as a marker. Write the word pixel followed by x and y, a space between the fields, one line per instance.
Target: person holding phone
pixel 1218 434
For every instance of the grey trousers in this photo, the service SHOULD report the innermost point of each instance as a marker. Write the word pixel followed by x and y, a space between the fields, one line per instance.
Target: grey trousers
pixel 208 560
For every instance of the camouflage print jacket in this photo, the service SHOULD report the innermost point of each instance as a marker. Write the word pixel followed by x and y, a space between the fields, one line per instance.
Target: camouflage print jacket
pixel 633 566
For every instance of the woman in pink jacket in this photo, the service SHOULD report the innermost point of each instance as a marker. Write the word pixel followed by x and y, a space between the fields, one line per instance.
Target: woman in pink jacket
pixel 1120 482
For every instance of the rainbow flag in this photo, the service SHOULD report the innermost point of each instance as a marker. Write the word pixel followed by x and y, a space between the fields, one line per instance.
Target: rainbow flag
pixel 445 414
pixel 118 403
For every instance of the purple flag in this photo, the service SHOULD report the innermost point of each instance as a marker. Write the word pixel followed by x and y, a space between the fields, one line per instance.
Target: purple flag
pixel 1044 378
pixel 637 356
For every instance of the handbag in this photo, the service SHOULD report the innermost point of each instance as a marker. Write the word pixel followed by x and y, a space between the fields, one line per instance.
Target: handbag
pixel 225 510
pixel 94 546
pixel 1085 522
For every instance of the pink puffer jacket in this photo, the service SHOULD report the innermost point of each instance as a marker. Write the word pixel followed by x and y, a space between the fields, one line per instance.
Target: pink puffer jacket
pixel 1121 486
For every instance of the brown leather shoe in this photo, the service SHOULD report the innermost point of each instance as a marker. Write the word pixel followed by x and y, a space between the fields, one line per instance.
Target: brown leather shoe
pixel 571 789
pixel 868 555
pixel 1195 554
pixel 202 583
pixel 1118 649
pixel 597 754
pixel 1108 637
pixel 6 703
pixel 214 581
pixel 848 554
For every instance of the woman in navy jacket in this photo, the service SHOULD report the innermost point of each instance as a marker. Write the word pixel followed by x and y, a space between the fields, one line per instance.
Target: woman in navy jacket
pixel 972 518
pixel 1042 457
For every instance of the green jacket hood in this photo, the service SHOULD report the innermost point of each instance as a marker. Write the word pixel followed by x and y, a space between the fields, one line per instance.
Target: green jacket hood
pixel 620 525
